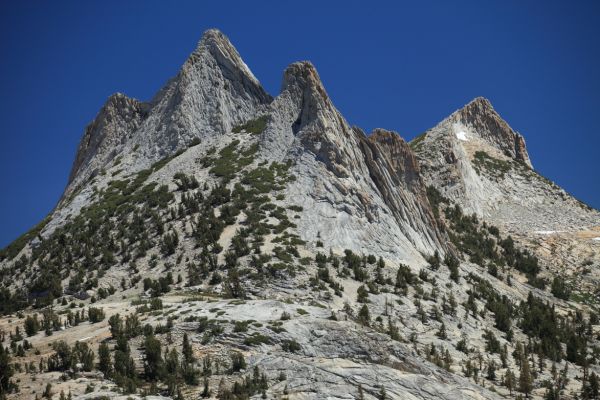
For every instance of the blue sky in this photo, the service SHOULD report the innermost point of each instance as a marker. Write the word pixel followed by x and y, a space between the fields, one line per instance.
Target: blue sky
pixel 401 66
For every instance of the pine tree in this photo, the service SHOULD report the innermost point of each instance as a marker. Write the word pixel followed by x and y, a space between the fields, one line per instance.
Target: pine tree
pixel 6 371
pixel 362 294
pixel 104 362
pixel 452 304
pixel 491 371
pixel 186 350
pixel 525 379
pixel 453 264
pixel 518 354
pixel 32 325
pixel 434 261
pixel 48 391
pixel 361 394
pixel 441 333
pixel 509 381
pixel 364 317
pixel 172 370
pixel 591 389
pixel 382 394
pixel 153 363
pixel 205 391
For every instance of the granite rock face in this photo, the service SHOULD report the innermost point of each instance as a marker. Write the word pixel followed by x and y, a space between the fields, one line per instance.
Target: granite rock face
pixel 360 193
pixel 475 159
pixel 480 116
pixel 106 137
pixel 213 92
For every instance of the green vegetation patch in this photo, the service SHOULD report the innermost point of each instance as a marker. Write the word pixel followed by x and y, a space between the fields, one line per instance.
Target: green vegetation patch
pixel 495 167
pixel 416 143
pixel 15 247
pixel 255 126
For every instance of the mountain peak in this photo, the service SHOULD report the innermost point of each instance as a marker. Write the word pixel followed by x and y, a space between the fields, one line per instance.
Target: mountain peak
pixel 213 35
pixel 480 116
pixel 115 121
pixel 304 76
pixel 218 46
pixel 301 82
pixel 480 102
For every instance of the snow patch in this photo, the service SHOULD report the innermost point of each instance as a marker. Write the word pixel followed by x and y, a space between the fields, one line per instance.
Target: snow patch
pixel 545 232
pixel 461 135
pixel 596 239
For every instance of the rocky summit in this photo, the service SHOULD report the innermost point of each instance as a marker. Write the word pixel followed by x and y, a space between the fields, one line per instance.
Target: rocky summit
pixel 218 242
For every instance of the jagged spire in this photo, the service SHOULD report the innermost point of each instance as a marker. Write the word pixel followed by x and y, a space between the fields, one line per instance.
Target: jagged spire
pixel 303 75
pixel 215 44
pixel 480 115
pixel 317 113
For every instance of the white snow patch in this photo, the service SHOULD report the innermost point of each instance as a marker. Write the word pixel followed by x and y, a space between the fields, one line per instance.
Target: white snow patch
pixel 461 135
pixel 545 232
pixel 597 239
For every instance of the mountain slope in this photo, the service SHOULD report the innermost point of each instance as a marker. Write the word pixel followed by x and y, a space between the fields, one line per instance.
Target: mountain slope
pixel 354 194
pixel 219 242
pixel 474 158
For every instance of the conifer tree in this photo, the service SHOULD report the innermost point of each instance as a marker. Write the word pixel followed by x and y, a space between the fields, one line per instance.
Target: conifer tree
pixel 104 362
pixel 509 381
pixel 525 379
pixel 186 350
pixel 153 363
pixel 364 316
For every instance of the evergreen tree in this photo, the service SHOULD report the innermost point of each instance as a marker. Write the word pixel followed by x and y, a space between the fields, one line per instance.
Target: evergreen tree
pixel 453 264
pixel 172 371
pixel 206 390
pixel 591 387
pixel 491 371
pixel 116 325
pixel 382 394
pixel 32 325
pixel 153 363
pixel 362 294
pixel 364 316
pixel 509 381
pixel 441 333
pixel 361 394
pixel 594 385
pixel 48 391
pixel 525 378
pixel 6 371
pixel 434 261
pixel 104 362
pixel 186 350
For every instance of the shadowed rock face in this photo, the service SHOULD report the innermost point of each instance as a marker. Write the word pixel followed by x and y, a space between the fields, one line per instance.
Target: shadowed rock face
pixel 400 156
pixel 395 170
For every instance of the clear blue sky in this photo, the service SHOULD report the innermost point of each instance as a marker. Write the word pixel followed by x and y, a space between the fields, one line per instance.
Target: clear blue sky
pixel 385 64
